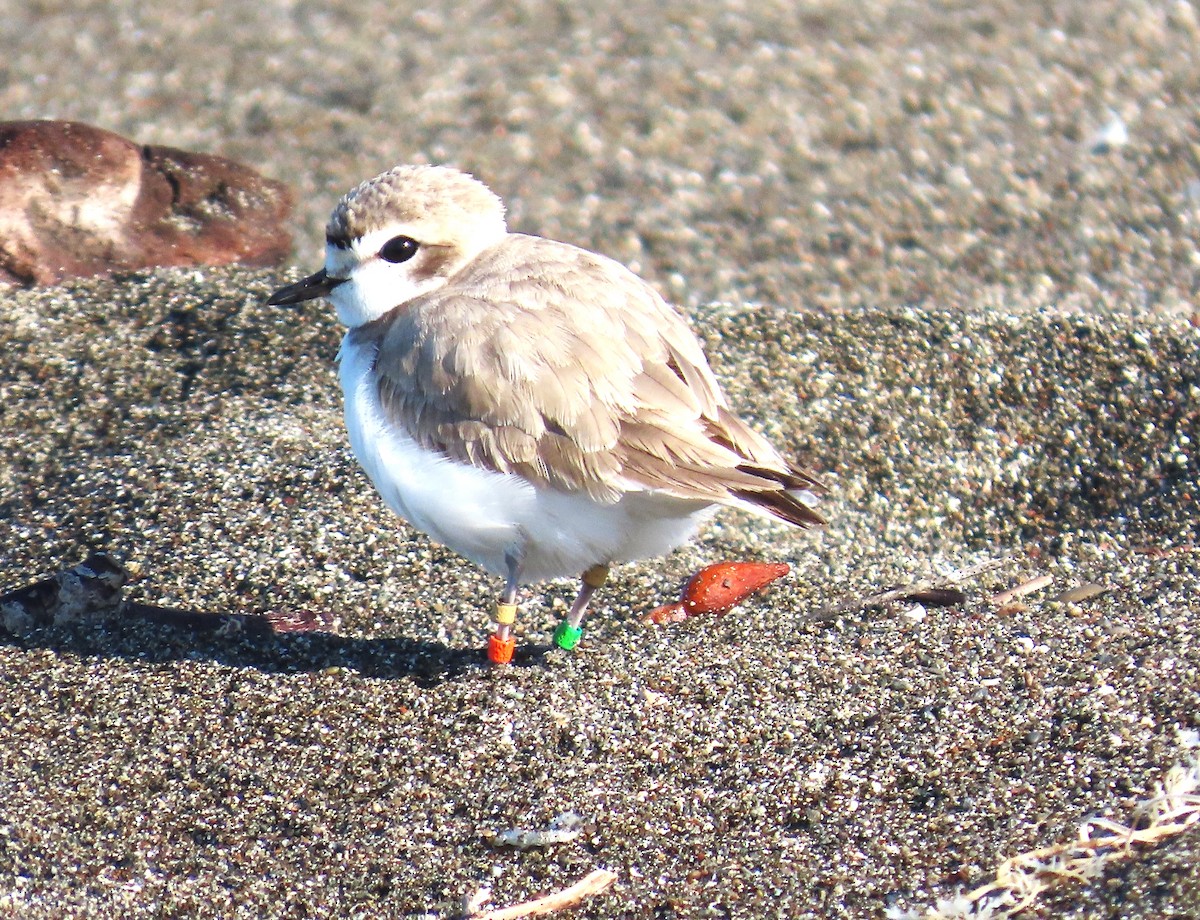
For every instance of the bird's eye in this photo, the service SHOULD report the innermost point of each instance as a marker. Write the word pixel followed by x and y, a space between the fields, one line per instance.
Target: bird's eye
pixel 398 249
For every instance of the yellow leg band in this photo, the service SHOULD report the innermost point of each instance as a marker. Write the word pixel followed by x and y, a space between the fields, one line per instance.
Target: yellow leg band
pixel 506 613
pixel 595 576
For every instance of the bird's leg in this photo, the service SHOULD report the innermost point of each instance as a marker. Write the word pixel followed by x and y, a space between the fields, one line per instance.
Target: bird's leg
pixel 571 628
pixel 501 643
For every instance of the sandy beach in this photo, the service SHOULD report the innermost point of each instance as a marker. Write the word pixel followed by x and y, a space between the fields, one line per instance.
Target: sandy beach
pixel 921 258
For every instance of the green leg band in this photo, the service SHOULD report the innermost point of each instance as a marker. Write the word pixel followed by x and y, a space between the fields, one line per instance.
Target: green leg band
pixel 567 636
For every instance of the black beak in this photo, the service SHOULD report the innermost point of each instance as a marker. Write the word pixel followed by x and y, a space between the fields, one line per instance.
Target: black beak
pixel 310 288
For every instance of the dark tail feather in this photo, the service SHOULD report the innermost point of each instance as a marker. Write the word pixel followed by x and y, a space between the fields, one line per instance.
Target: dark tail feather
pixel 789 479
pixel 783 502
pixel 783 505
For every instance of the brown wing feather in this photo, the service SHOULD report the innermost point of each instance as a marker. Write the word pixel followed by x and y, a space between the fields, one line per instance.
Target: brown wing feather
pixel 515 372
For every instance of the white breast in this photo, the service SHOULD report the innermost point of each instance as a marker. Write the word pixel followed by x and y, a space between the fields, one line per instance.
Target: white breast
pixel 486 516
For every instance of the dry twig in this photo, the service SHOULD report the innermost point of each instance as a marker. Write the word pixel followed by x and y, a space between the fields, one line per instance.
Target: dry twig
pixel 1028 587
pixel 935 588
pixel 591 884
pixel 93 589
pixel 1021 880
pixel 1080 593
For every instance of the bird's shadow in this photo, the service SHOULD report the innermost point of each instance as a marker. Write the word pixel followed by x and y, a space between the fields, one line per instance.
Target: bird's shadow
pixel 426 663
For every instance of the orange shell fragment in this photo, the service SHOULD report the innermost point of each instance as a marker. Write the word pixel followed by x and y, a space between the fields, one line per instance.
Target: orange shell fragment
pixel 667 613
pixel 718 588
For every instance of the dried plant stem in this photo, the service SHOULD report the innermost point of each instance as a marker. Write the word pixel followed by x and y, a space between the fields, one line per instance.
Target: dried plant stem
pixel 1020 880
pixel 907 591
pixel 591 884
pixel 1028 587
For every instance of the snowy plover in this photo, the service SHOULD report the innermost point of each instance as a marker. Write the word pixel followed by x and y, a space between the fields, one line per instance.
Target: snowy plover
pixel 535 407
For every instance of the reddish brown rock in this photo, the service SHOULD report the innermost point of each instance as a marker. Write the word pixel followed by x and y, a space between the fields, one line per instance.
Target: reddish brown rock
pixel 77 200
